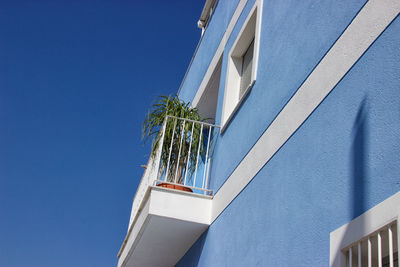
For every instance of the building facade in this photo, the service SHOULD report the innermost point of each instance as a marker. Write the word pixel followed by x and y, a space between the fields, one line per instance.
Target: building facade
pixel 305 168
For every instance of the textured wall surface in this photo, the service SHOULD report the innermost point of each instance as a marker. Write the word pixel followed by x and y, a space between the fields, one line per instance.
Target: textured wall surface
pixel 342 161
pixel 211 39
pixel 295 35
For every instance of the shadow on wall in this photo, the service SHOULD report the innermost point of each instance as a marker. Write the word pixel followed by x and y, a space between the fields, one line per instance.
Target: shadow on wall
pixel 359 172
pixel 192 257
pixel 359 160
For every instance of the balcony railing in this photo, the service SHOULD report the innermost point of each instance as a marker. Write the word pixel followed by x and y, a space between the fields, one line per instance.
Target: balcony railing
pixel 185 152
pixel 181 159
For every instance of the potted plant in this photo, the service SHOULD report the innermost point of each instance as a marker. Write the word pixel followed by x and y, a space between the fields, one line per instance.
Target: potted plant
pixel 181 140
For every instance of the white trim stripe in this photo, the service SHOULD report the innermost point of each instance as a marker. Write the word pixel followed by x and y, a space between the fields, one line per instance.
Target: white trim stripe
pixel 370 22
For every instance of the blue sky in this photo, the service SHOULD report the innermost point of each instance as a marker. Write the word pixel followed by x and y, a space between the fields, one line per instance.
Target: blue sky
pixel 76 79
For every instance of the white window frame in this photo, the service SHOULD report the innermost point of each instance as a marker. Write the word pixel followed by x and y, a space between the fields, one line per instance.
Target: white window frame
pixel 363 226
pixel 250 31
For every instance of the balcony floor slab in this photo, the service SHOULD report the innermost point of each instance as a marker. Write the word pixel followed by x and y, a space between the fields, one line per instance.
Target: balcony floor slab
pixel 169 222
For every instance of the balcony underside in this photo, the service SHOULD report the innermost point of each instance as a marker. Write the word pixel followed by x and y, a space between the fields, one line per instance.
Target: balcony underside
pixel 167 225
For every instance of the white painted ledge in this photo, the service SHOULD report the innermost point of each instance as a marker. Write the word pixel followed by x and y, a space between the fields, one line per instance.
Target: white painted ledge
pixel 167 226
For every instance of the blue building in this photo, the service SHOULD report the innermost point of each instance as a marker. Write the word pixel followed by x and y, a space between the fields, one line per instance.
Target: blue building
pixel 302 164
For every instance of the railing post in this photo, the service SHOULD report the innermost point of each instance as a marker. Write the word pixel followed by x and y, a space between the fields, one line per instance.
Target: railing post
pixel 198 154
pixel 205 176
pixel 369 252
pixel 379 249
pixel 350 257
pixel 180 149
pixel 170 151
pixel 160 147
pixel 390 237
pixel 188 158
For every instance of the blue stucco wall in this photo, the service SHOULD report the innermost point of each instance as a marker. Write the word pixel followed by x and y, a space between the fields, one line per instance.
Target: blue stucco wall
pixel 342 161
pixel 209 44
pixel 295 36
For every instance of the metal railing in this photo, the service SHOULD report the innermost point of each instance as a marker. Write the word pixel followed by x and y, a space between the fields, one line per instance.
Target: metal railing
pixel 186 148
pixel 181 158
pixel 377 249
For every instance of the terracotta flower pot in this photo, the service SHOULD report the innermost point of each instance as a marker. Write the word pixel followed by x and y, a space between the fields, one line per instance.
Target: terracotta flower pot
pixel 174 186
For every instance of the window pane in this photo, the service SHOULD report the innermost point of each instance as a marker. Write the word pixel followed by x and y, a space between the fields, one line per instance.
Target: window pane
pixel 246 69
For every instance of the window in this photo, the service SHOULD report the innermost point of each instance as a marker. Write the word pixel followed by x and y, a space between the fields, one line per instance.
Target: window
pixel 247 63
pixel 242 64
pixel 369 240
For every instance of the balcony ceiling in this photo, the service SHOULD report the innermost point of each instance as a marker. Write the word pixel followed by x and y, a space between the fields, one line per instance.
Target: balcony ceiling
pixel 165 228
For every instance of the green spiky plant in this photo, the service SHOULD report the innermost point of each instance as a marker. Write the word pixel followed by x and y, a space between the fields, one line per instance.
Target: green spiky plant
pixel 152 127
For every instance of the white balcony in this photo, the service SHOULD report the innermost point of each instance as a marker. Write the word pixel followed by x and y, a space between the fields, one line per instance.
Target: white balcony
pixel 165 222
